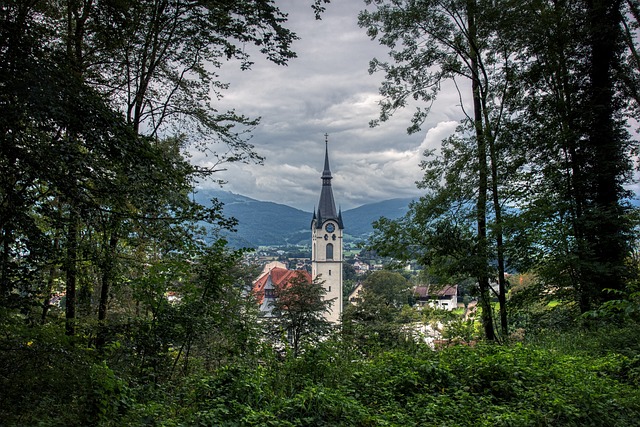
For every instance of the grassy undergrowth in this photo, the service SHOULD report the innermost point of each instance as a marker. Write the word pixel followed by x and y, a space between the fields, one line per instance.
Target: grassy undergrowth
pixel 581 378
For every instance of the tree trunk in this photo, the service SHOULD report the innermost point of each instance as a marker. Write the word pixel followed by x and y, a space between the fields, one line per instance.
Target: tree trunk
pixel 607 237
pixel 107 278
pixel 71 270
pixel 5 287
pixel 502 285
pixel 50 283
pixel 481 207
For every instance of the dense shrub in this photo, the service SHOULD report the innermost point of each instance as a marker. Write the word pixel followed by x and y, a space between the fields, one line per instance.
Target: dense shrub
pixel 44 378
pixel 49 381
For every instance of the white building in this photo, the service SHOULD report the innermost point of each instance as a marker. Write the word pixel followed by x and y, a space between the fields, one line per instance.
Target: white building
pixel 326 242
pixel 445 298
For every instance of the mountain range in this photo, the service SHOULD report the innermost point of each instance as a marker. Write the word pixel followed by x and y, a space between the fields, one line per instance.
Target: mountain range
pixel 272 224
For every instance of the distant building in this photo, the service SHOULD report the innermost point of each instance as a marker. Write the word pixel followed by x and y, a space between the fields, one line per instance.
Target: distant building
pixel 361 267
pixel 270 266
pixel 445 298
pixel 354 297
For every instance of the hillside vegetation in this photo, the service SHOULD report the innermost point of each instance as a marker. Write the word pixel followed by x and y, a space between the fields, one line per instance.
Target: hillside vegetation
pixel 123 304
pixel 49 381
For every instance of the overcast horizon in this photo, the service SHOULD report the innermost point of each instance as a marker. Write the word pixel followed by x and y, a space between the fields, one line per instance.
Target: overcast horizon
pixel 326 89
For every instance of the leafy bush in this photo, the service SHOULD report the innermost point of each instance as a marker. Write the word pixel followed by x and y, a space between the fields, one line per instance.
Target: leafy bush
pixel 44 377
pixel 529 386
pixel 548 381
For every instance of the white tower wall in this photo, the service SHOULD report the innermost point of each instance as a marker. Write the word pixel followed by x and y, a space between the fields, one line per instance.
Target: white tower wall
pixel 328 269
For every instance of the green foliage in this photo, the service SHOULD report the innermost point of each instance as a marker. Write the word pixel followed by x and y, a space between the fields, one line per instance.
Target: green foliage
pixel 534 310
pixel 391 286
pixel 373 324
pixel 44 377
pixel 299 312
pixel 108 394
pixel 438 238
pixel 460 330
pixel 543 383
pixel 622 307
pixel 595 340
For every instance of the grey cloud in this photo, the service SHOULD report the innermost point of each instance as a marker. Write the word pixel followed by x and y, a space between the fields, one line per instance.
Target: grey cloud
pixel 327 89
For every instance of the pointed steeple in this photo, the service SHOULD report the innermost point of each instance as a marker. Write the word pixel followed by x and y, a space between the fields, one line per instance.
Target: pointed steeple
pixel 326 206
pixel 326 173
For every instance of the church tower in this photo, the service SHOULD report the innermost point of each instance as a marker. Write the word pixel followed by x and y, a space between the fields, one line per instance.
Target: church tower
pixel 326 240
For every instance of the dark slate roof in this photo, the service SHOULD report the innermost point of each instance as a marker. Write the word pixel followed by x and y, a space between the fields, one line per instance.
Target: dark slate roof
pixel 424 292
pixel 327 206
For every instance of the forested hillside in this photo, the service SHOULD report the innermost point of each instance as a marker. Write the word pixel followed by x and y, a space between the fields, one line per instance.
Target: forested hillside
pixel 260 223
pixel 263 223
pixel 122 304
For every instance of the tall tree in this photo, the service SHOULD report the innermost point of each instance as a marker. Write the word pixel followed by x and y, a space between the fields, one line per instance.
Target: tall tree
pixel 542 75
pixel 391 286
pixel 573 114
pixel 70 66
pixel 374 323
pixel 163 74
pixel 169 60
pixel 627 70
pixel 432 41
pixel 606 142
pixel 300 313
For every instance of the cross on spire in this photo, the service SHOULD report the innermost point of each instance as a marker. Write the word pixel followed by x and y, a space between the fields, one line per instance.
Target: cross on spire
pixel 326 206
pixel 326 173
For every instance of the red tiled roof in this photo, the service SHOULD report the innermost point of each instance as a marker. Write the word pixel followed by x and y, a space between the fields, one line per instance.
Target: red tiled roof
pixel 280 277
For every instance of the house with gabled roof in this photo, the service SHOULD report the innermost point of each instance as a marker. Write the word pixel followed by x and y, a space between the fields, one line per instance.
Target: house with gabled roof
pixel 355 295
pixel 443 297
pixel 266 286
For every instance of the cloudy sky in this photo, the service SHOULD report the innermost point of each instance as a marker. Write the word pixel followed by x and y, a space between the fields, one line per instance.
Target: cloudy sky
pixel 327 89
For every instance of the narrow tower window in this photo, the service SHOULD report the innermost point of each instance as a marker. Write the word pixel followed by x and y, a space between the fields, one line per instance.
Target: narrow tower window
pixel 330 251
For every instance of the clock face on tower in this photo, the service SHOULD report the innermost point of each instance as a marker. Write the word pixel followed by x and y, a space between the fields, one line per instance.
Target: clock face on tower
pixel 330 227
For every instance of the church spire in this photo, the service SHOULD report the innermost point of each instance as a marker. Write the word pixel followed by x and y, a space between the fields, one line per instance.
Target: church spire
pixel 327 233
pixel 326 173
pixel 326 206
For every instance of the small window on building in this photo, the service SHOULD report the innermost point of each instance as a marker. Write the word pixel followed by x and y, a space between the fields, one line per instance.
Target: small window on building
pixel 329 288
pixel 329 272
pixel 330 251
pixel 269 293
